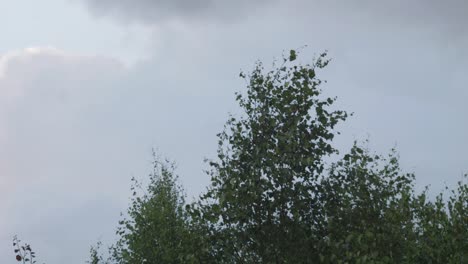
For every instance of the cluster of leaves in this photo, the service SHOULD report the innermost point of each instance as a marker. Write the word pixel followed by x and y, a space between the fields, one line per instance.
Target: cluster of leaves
pixel 274 200
pixel 23 252
pixel 156 229
pixel 273 197
pixel 371 214
pixel 95 255
pixel 264 181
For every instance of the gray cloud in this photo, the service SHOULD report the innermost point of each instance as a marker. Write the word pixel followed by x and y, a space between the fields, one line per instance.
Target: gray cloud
pixel 153 11
pixel 449 16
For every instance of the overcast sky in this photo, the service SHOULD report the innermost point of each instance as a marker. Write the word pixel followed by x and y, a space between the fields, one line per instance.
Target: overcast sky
pixel 89 87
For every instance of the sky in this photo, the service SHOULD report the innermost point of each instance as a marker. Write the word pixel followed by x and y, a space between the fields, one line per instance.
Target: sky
pixel 89 87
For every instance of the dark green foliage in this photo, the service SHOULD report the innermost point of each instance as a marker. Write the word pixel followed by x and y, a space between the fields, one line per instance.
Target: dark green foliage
pixel 365 210
pixel 94 255
pixel 264 182
pixel 156 230
pixel 23 252
pixel 442 227
pixel 274 199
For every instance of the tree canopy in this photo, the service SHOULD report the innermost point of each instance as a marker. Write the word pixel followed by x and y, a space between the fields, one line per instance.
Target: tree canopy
pixel 274 198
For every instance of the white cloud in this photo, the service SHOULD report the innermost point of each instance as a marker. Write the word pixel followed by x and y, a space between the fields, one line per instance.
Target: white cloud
pixel 76 128
pixel 55 134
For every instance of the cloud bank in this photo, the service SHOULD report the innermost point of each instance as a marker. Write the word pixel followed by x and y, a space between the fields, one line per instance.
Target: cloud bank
pixel 154 11
pixel 449 16
pixel 74 129
pixel 56 127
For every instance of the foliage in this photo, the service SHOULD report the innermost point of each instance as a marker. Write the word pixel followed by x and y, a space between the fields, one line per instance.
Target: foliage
pixel 366 210
pixel 95 256
pixel 442 226
pixel 273 198
pixel 156 230
pixel 23 253
pixel 263 183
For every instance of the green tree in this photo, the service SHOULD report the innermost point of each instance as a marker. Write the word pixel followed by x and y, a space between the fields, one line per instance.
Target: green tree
pixel 264 187
pixel 156 230
pixel 366 211
pixel 274 199
pixel 95 256
pixel 442 226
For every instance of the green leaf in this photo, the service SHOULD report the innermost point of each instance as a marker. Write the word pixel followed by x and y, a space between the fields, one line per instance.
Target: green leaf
pixel 292 55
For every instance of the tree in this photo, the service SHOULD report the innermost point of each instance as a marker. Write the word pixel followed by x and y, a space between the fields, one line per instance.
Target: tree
pixel 156 230
pixel 273 197
pixel 95 256
pixel 366 211
pixel 263 186
pixel 442 226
